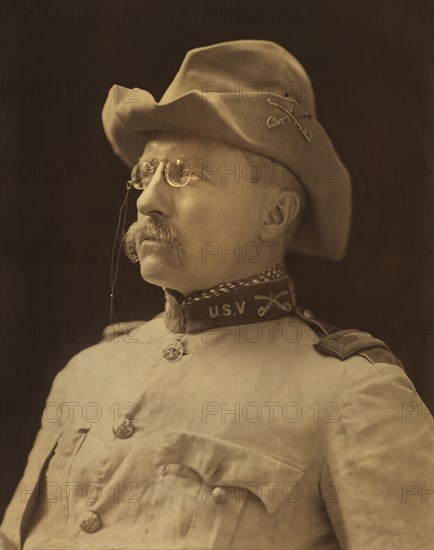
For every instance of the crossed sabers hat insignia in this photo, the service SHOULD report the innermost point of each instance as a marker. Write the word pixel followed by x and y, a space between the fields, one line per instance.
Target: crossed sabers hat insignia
pixel 273 301
pixel 273 121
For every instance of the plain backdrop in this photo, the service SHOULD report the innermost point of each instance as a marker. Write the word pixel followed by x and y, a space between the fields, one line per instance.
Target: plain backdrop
pixel 61 185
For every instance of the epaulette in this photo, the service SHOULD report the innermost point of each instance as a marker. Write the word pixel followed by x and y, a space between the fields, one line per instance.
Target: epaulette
pixel 115 330
pixel 343 344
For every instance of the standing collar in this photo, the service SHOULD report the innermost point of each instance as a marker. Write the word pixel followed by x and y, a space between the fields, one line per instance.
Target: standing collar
pixel 266 296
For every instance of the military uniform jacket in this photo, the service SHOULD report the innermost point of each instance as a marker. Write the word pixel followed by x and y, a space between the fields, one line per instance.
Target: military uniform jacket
pixel 264 429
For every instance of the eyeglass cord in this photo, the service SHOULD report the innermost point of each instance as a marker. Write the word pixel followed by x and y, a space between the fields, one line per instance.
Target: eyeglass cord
pixel 116 252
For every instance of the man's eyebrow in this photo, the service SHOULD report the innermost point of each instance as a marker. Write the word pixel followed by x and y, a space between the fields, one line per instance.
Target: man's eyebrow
pixel 194 159
pixel 183 157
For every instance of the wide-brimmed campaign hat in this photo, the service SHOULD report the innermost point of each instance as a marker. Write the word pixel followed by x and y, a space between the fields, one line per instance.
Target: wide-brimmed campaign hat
pixel 255 95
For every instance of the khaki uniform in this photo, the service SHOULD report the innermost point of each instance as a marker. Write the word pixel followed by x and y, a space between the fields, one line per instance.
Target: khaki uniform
pixel 238 436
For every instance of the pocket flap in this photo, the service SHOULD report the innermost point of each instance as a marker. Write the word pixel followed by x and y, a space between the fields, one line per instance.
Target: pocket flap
pixel 220 462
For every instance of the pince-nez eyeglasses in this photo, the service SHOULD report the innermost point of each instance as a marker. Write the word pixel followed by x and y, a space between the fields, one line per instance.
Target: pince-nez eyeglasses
pixel 177 173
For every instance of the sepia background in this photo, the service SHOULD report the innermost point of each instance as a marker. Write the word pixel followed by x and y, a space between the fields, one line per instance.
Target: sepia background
pixel 61 186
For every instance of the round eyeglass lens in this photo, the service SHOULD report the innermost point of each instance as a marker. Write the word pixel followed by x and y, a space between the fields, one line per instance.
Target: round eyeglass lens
pixel 141 174
pixel 178 173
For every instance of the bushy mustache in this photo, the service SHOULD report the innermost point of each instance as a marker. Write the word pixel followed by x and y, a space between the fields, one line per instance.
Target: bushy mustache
pixel 155 230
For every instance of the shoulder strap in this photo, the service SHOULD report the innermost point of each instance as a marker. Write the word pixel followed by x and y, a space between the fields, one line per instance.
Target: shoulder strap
pixel 343 344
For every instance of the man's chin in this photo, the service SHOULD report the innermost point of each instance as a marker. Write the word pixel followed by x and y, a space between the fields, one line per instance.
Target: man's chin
pixel 159 268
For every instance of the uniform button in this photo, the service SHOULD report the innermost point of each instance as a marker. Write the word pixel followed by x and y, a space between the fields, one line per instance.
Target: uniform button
pixel 173 351
pixel 124 429
pixel 219 494
pixel 90 522
pixel 308 314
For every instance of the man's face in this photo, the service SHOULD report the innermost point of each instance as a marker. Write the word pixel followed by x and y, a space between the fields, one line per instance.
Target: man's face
pixel 215 225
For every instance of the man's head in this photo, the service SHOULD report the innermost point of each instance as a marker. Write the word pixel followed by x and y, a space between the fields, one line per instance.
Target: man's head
pixel 248 95
pixel 230 221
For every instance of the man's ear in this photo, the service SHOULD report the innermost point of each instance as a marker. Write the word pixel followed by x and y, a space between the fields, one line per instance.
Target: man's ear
pixel 282 211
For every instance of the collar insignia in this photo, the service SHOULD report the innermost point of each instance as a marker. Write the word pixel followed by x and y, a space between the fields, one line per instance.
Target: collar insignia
pixel 273 301
pixel 267 296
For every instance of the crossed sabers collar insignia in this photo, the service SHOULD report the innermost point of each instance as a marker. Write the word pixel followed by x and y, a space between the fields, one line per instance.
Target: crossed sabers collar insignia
pixel 291 114
pixel 273 301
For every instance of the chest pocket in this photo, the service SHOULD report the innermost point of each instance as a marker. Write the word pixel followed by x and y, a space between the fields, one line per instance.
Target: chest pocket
pixel 205 484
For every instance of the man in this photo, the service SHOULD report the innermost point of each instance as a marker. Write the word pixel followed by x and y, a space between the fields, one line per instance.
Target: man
pixel 236 419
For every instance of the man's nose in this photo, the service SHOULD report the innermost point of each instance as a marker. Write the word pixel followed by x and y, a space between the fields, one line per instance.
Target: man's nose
pixel 155 196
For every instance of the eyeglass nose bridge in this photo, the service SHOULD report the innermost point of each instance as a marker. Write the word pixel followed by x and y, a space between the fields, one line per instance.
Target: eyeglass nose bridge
pixel 158 161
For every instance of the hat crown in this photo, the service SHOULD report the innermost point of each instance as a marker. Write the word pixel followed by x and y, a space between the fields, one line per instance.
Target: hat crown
pixel 245 68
